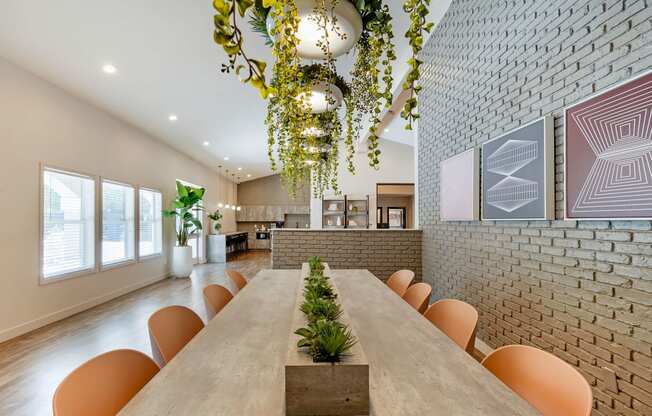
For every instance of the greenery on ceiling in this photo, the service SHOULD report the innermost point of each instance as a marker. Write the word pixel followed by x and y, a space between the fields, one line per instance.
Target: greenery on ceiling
pixel 303 145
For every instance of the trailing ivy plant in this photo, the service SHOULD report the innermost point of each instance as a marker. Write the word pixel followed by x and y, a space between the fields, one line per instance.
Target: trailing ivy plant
pixel 418 11
pixel 299 155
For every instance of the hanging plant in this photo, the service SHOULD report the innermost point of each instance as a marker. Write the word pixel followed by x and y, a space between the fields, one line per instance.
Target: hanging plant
pixel 309 102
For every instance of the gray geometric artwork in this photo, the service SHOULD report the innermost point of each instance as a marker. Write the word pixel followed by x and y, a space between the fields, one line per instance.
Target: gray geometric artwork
pixel 516 173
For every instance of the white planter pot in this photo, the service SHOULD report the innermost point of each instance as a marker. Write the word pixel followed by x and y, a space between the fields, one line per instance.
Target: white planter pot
pixel 310 33
pixel 182 262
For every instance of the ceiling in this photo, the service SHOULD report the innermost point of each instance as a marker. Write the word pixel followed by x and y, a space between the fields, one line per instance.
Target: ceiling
pixel 166 65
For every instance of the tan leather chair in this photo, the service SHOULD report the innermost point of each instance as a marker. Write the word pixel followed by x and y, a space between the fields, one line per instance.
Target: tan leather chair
pixel 170 329
pixel 457 319
pixel 215 298
pixel 548 383
pixel 418 296
pixel 237 278
pixel 103 385
pixel 400 281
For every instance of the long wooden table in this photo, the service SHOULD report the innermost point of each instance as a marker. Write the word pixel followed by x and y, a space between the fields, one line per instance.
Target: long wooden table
pixel 235 366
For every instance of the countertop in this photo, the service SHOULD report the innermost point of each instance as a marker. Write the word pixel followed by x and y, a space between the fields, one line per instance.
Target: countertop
pixel 347 229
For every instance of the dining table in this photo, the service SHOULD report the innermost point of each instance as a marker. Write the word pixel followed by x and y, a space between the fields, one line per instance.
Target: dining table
pixel 235 365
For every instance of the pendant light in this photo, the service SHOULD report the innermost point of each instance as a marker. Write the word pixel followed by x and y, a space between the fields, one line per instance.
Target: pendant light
pixel 220 204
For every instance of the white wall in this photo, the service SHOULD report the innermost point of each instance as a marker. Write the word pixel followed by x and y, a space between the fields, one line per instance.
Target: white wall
pixel 396 166
pixel 41 123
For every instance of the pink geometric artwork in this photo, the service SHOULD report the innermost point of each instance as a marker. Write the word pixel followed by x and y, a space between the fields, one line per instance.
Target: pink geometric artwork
pixel 459 188
pixel 609 154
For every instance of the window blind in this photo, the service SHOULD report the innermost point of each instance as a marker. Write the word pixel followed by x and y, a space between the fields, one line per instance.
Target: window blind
pixel 118 223
pixel 151 224
pixel 68 240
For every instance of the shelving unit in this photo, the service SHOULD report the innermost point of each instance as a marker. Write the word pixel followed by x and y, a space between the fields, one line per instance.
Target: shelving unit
pixel 334 212
pixel 345 212
pixel 357 212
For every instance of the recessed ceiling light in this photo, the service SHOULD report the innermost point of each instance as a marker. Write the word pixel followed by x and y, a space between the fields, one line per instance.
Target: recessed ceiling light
pixel 226 158
pixel 173 117
pixel 207 143
pixel 239 168
pixel 386 130
pixel 109 69
pixel 249 175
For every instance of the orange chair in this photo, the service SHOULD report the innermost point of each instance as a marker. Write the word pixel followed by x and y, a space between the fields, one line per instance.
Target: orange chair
pixel 103 385
pixel 237 278
pixel 170 329
pixel 548 383
pixel 400 281
pixel 215 298
pixel 418 296
pixel 456 319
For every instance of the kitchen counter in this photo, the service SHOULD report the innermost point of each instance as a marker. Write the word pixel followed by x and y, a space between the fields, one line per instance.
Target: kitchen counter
pixel 382 251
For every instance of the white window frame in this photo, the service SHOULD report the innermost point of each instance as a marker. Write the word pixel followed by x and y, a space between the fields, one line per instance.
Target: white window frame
pixel 41 211
pixel 100 222
pixel 155 255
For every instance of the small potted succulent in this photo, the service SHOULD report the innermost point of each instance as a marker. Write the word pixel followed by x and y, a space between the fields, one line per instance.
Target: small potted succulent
pixel 216 217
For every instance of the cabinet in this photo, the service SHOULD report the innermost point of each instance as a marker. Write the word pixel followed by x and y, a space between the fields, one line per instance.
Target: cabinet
pixel 345 212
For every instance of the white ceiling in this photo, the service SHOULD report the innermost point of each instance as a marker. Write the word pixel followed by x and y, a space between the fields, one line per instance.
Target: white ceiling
pixel 167 64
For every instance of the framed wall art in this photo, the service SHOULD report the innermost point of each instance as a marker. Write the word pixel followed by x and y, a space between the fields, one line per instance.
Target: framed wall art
pixel 518 173
pixel 459 187
pixel 608 154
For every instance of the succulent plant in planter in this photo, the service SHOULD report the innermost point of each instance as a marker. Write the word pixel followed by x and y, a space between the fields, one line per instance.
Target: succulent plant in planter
pixel 326 340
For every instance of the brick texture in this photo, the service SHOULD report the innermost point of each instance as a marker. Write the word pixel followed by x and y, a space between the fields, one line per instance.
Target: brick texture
pixel 380 251
pixel 581 290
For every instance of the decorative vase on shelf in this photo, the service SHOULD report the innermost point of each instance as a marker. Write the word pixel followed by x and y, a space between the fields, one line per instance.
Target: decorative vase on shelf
pixel 182 262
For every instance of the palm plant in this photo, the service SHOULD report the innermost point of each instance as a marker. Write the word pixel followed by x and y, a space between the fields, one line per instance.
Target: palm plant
pixel 187 202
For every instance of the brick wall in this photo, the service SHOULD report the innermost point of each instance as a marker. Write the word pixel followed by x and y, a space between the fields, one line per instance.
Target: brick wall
pixel 380 251
pixel 582 290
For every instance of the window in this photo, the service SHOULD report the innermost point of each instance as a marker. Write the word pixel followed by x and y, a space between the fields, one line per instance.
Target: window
pixel 68 223
pixel 118 223
pixel 151 225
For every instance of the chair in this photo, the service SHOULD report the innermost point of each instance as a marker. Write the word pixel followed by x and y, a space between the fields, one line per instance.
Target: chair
pixel 418 296
pixel 548 383
pixel 457 319
pixel 215 298
pixel 103 385
pixel 170 329
pixel 400 281
pixel 237 278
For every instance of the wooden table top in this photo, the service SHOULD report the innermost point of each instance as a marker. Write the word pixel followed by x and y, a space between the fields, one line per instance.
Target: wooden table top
pixel 235 366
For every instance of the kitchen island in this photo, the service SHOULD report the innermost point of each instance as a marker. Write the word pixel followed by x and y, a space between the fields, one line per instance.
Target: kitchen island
pixel 381 251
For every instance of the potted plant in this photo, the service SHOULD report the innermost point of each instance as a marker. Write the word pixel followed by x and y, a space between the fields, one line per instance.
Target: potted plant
pixel 216 217
pixel 188 200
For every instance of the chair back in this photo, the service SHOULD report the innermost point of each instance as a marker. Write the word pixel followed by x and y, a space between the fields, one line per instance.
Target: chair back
pixel 215 298
pixel 103 385
pixel 400 281
pixel 456 319
pixel 548 383
pixel 237 278
pixel 418 296
pixel 170 329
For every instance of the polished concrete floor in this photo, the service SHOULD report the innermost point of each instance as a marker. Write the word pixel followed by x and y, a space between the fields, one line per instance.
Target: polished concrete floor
pixel 32 366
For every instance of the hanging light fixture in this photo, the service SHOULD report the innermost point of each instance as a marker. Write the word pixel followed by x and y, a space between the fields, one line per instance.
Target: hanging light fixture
pixel 306 100
pixel 239 208
pixel 343 22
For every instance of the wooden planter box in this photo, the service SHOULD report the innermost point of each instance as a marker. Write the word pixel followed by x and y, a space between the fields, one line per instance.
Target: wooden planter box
pixel 324 388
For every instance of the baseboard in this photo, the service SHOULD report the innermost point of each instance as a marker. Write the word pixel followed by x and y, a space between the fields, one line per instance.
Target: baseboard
pixel 30 326
pixel 481 346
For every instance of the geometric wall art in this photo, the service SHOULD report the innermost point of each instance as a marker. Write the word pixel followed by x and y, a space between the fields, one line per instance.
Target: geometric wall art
pixel 459 184
pixel 608 154
pixel 518 173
